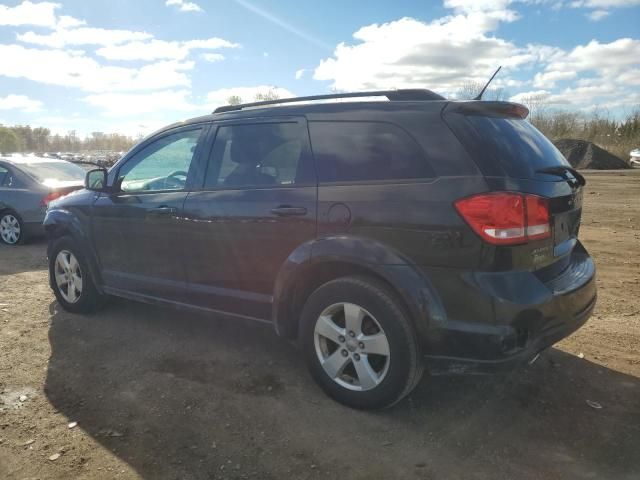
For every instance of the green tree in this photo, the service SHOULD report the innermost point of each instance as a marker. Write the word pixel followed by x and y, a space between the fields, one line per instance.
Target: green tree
pixel 234 100
pixel 9 141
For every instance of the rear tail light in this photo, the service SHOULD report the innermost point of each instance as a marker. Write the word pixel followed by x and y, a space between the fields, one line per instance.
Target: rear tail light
pixel 506 218
pixel 51 197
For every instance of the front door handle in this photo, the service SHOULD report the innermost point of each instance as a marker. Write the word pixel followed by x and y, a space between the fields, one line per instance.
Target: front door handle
pixel 164 210
pixel 288 211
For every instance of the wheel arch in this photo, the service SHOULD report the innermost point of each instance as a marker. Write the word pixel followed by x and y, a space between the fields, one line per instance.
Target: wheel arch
pixel 326 259
pixel 59 223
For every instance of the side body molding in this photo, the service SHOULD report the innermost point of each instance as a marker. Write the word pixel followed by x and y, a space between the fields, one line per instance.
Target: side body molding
pixel 414 288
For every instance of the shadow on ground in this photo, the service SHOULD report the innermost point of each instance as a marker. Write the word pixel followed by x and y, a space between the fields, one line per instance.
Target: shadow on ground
pixel 23 258
pixel 182 396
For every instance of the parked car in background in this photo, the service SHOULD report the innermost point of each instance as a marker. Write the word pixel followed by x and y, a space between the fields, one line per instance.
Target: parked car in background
pixel 634 157
pixel 383 237
pixel 27 185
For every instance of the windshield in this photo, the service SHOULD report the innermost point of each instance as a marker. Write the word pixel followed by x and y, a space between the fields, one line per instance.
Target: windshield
pixel 513 144
pixel 54 172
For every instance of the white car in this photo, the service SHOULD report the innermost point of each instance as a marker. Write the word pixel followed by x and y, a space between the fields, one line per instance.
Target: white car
pixel 635 157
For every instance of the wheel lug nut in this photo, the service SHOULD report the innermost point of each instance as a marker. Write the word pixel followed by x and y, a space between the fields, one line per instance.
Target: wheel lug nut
pixel 361 345
pixel 356 356
pixel 344 353
pixel 341 338
pixel 352 334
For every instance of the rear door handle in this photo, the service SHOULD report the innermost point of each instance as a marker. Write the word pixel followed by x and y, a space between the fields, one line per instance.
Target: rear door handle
pixel 288 211
pixel 162 211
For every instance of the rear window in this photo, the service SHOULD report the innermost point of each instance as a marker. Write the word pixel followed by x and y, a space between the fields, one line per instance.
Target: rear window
pixel 45 172
pixel 512 143
pixel 365 151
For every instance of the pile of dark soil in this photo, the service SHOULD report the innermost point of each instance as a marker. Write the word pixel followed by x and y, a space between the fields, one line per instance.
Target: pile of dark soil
pixel 582 155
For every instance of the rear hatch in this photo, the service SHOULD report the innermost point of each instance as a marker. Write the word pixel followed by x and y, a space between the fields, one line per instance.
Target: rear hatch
pixel 515 157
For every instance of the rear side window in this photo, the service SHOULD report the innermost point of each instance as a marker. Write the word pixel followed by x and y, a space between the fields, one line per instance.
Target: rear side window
pixel 50 172
pixel 516 145
pixel 266 154
pixel 362 151
pixel 4 175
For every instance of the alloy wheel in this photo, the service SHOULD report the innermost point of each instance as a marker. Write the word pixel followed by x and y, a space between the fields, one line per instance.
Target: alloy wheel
pixel 352 347
pixel 10 229
pixel 68 276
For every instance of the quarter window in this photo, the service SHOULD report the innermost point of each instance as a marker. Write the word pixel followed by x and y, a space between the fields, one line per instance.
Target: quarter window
pixel 161 165
pixel 361 151
pixel 267 154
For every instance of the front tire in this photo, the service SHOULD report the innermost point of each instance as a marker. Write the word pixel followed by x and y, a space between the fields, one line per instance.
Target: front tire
pixel 360 346
pixel 70 277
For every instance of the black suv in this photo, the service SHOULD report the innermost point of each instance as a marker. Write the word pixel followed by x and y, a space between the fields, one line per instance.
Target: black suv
pixel 383 236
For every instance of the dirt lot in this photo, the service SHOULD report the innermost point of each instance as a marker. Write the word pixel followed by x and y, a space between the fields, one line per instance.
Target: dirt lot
pixel 159 394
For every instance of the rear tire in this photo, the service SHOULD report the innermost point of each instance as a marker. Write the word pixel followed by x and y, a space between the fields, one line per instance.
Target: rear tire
pixel 12 231
pixel 359 344
pixel 70 277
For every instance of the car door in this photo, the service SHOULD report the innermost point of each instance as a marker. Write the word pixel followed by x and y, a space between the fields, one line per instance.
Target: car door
pixel 137 228
pixel 257 205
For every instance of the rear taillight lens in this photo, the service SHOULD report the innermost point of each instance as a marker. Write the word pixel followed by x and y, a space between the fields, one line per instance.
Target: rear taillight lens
pixel 51 197
pixel 506 218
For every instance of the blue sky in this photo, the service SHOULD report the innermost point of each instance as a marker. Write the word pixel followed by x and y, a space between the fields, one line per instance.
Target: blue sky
pixel 132 66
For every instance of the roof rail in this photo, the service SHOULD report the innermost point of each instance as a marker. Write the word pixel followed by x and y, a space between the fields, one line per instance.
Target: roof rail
pixel 413 94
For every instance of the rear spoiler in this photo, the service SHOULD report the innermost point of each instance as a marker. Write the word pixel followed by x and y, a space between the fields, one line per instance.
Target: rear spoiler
pixel 488 109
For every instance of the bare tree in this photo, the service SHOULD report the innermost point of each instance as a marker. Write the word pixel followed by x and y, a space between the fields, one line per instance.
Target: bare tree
pixel 537 104
pixel 271 94
pixel 470 90
pixel 234 100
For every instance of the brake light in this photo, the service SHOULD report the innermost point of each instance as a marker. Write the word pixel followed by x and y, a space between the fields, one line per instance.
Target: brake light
pixel 51 197
pixel 506 218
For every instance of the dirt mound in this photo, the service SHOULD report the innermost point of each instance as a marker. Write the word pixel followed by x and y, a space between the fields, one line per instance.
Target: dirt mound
pixel 582 155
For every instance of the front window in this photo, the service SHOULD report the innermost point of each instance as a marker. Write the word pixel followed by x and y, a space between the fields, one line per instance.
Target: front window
pixel 161 165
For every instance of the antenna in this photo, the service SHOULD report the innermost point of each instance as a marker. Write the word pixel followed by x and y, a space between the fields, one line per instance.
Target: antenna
pixel 479 97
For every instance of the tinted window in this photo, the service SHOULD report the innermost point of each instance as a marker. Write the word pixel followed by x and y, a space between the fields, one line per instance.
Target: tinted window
pixel 515 144
pixel 161 165
pixel 267 154
pixel 50 173
pixel 348 151
pixel 4 175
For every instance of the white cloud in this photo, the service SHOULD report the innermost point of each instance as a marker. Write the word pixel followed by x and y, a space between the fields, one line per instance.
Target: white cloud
pixel 442 54
pixel 64 36
pixel 184 6
pixel 20 102
pixel 597 15
pixel 134 104
pixel 217 98
pixel 300 73
pixel 604 3
pixel 160 49
pixel 450 51
pixel 65 21
pixel 57 67
pixel 608 60
pixel 28 13
pixel 212 57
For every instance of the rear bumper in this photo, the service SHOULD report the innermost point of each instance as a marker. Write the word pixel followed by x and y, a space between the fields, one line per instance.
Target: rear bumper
pixel 527 315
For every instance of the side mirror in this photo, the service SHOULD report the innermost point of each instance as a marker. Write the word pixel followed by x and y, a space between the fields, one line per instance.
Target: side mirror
pixel 96 180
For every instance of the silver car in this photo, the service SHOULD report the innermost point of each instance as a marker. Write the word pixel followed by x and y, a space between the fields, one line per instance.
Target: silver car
pixel 27 185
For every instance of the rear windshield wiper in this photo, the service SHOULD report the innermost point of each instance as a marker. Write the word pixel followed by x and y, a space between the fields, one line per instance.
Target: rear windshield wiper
pixel 561 170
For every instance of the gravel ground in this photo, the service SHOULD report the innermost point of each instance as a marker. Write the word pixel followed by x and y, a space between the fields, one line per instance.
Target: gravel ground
pixel 160 394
